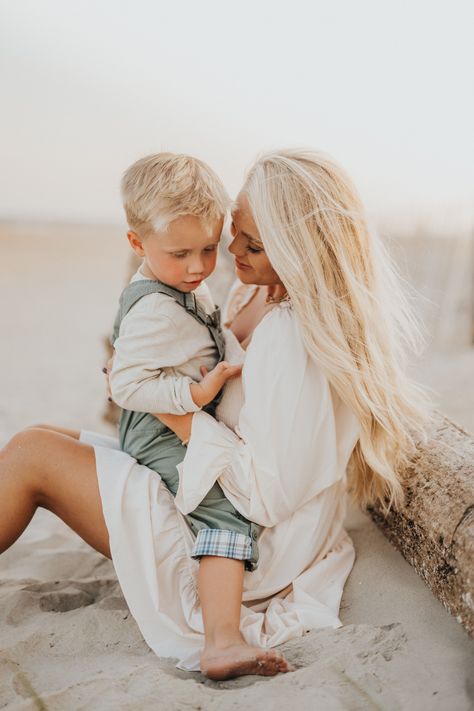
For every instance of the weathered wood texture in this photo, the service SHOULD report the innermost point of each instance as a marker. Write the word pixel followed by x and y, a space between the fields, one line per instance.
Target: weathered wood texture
pixel 435 529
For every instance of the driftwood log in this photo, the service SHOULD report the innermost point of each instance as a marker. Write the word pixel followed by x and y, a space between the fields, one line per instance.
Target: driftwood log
pixel 434 530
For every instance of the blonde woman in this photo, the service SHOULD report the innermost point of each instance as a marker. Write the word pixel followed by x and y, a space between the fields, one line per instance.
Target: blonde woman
pixel 323 404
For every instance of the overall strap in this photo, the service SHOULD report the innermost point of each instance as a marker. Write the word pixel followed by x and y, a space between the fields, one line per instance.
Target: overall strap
pixel 143 287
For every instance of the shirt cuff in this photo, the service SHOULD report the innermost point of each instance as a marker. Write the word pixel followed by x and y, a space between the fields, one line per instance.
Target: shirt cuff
pixel 187 399
pixel 222 543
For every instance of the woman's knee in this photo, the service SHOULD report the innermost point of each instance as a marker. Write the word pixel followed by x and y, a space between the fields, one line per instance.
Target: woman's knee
pixel 22 445
pixel 23 441
pixel 22 456
pixel 30 446
pixel 16 445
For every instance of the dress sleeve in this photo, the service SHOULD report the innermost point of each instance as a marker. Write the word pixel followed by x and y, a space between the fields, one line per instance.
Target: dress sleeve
pixel 148 342
pixel 284 450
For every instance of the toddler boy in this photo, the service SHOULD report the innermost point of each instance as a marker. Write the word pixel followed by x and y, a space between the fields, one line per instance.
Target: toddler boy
pixel 167 330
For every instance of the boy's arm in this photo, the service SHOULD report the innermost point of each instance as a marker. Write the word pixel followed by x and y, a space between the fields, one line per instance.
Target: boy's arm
pixel 204 392
pixel 180 424
pixel 149 341
pixel 214 380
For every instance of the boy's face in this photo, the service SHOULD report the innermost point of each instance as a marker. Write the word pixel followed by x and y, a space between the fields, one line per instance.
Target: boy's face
pixel 183 255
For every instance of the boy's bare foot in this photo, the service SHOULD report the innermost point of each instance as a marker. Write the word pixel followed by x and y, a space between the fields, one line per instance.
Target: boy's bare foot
pixel 219 663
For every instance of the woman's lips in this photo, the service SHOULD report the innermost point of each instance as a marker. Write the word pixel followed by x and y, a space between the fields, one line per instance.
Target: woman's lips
pixel 239 265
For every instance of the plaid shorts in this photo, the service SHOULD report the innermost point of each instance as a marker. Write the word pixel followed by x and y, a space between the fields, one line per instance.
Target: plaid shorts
pixel 223 543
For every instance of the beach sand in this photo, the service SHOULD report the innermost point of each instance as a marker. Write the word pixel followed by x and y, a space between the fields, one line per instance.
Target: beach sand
pixel 67 640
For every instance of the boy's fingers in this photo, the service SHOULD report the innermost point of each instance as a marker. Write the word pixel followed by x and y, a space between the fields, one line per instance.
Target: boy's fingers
pixel 204 371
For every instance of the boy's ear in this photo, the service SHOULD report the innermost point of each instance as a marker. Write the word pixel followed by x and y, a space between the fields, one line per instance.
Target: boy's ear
pixel 136 243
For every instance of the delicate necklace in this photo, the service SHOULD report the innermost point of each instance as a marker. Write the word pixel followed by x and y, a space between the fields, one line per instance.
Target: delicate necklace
pixel 272 300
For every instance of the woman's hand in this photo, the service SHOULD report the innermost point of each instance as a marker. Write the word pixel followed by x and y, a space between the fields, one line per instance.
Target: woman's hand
pixel 180 424
pixel 106 371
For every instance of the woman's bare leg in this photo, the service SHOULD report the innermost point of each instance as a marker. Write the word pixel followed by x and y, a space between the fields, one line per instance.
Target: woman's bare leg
pixel 52 469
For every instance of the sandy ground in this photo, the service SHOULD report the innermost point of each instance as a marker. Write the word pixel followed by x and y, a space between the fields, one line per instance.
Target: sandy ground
pixel 67 640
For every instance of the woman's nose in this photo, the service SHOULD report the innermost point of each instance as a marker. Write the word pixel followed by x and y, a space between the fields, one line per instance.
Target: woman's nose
pixel 237 246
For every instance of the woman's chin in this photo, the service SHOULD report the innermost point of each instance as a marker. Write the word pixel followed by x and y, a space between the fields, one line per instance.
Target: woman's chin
pixel 245 276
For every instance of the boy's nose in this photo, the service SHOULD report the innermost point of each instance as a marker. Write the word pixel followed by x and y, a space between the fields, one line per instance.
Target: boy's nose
pixel 196 266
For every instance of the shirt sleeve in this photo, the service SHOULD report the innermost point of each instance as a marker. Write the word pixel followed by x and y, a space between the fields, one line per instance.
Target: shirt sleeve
pixel 284 450
pixel 148 342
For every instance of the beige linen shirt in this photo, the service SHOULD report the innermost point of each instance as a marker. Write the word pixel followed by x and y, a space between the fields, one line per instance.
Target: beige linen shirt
pixel 159 352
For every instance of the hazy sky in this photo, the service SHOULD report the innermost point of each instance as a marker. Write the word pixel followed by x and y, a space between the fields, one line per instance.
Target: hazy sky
pixel 87 86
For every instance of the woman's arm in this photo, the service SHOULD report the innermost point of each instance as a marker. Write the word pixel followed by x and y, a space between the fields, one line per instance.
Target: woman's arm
pixel 285 450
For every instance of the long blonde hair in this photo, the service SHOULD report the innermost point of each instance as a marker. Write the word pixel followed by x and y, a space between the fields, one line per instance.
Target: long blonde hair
pixel 354 317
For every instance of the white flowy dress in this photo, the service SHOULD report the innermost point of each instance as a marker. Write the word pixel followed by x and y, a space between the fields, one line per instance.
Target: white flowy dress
pixel 280 453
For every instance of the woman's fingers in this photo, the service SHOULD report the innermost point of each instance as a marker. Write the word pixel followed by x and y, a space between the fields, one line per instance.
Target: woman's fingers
pixel 222 372
pixel 231 371
pixel 106 370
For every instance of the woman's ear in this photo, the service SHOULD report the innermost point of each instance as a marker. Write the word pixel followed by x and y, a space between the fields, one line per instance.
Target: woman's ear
pixel 136 243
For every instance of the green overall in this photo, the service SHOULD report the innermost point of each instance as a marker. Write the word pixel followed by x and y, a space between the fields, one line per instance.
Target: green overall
pixel 153 444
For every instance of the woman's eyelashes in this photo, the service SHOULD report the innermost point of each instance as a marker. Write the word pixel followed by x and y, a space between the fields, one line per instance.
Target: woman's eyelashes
pixel 249 246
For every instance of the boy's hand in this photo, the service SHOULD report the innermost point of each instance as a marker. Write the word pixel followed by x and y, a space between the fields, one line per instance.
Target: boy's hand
pixel 204 392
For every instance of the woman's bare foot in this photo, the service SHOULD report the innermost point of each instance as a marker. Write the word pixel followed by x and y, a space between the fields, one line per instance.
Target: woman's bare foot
pixel 219 663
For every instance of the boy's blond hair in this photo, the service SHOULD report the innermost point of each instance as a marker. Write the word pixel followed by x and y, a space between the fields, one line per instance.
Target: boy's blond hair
pixel 161 187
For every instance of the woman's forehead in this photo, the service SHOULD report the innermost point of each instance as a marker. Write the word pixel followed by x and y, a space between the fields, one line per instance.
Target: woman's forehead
pixel 240 209
pixel 244 222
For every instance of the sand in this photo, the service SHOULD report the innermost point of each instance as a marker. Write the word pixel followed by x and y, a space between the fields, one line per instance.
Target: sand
pixel 67 640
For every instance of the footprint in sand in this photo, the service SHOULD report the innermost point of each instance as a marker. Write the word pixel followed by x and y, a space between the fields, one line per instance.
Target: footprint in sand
pixel 66 595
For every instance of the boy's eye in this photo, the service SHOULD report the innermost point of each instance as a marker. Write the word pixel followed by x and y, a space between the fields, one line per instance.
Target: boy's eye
pixel 211 249
pixel 179 255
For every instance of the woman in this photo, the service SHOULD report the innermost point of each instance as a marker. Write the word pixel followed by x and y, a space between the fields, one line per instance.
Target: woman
pixel 323 391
